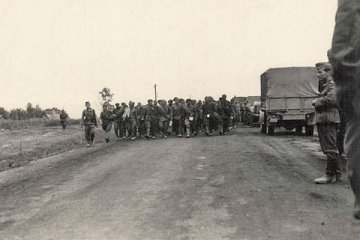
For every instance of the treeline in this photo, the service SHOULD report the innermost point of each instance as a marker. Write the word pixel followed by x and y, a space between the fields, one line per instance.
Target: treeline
pixel 29 112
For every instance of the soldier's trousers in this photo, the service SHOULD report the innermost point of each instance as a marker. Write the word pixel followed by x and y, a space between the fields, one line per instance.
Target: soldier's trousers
pixel 176 126
pixel 340 136
pixel 345 57
pixel 131 127
pixel 150 128
pixel 142 128
pixel 189 126
pixel 209 124
pixel 89 133
pixel 156 126
pixel 223 124
pixel 118 128
pixel 327 137
pixel 63 124
pixel 164 126
pixel 107 128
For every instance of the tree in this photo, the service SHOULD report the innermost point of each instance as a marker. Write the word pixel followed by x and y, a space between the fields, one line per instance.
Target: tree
pixel 4 113
pixel 106 96
pixel 30 110
pixel 38 112
pixel 18 114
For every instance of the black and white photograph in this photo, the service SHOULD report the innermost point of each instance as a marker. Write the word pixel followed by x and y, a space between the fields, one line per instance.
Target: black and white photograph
pixel 180 119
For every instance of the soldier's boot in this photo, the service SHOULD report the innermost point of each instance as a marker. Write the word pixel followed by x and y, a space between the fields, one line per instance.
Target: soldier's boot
pixel 338 176
pixel 147 133
pixel 188 132
pixel 357 208
pixel 326 179
pixel 221 130
pixel 92 139
pixel 207 131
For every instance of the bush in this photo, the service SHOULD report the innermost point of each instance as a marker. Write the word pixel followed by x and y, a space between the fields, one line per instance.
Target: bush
pixel 33 123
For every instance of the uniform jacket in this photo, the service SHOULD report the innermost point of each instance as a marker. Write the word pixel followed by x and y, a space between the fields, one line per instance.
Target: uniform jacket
pixel 209 108
pixel 189 111
pixel 344 56
pixel 106 118
pixel 118 114
pixel 141 112
pixel 88 117
pixel 164 113
pixel 150 113
pixel 63 116
pixel 325 106
pixel 177 111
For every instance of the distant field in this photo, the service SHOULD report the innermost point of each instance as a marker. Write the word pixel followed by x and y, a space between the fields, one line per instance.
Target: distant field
pixel 32 123
pixel 18 147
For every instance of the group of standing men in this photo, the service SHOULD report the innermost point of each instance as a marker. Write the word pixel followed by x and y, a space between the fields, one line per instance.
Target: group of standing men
pixel 162 118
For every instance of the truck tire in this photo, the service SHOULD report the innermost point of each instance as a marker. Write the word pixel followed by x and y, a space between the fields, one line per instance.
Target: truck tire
pixel 271 130
pixel 299 130
pixel 309 130
pixel 263 123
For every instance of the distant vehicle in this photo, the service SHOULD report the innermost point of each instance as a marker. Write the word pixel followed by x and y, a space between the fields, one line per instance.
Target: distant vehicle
pixel 286 99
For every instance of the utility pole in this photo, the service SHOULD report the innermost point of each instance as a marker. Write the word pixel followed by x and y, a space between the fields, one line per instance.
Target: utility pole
pixel 155 92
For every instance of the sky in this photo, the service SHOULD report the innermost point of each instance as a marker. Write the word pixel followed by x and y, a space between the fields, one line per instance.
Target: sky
pixel 61 53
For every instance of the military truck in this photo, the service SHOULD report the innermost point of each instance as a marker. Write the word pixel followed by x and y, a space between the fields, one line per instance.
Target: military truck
pixel 286 99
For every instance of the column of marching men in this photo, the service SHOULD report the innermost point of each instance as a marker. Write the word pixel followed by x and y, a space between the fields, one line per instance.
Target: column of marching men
pixel 175 117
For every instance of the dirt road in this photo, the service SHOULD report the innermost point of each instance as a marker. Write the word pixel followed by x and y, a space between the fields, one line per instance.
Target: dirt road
pixel 240 186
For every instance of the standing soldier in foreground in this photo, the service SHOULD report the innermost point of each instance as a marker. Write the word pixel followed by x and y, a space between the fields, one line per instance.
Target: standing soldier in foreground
pixel 63 119
pixel 344 56
pixel 327 117
pixel 89 121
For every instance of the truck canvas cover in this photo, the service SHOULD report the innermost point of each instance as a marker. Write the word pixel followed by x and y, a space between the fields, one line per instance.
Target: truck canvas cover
pixel 289 88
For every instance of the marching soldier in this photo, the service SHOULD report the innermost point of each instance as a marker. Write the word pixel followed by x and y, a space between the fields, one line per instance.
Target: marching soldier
pixel 199 117
pixel 107 117
pixel 164 118
pixel 149 120
pixel 123 129
pixel 89 122
pixel 141 120
pixel 118 111
pixel 177 116
pixel 156 118
pixel 189 116
pixel 132 120
pixel 63 119
pixel 209 113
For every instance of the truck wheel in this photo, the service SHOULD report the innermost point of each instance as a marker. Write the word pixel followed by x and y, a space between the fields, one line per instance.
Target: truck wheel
pixel 309 130
pixel 271 130
pixel 299 130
